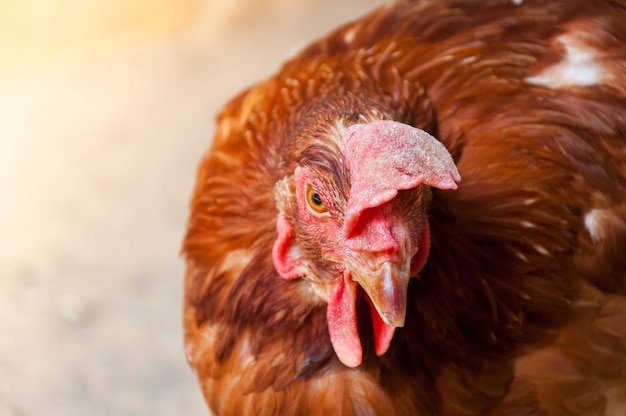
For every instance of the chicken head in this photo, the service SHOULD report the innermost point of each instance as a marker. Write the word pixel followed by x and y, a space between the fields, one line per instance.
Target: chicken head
pixel 370 242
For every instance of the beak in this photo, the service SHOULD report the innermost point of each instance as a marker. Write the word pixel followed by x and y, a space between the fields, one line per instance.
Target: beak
pixel 387 290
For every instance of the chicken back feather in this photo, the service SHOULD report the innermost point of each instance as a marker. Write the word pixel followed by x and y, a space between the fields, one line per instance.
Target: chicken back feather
pixel 422 213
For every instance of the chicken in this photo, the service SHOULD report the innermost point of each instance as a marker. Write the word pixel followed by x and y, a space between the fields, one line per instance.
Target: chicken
pixel 423 213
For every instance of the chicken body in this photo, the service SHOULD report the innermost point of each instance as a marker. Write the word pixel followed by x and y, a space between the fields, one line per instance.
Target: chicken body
pixel 326 275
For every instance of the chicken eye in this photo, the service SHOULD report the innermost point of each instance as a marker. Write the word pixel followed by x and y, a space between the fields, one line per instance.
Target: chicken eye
pixel 314 200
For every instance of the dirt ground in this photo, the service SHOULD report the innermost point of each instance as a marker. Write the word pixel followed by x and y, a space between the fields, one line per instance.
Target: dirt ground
pixel 97 162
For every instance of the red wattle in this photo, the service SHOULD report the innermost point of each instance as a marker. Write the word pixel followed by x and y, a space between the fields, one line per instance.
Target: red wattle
pixel 383 333
pixel 342 325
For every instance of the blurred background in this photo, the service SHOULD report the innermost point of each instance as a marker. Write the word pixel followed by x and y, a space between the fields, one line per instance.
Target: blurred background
pixel 105 110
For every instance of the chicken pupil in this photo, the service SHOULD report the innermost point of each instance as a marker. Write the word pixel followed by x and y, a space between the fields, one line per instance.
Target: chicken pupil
pixel 315 197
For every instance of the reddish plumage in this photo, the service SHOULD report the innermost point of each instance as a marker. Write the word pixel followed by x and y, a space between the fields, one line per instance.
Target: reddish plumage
pixel 520 308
